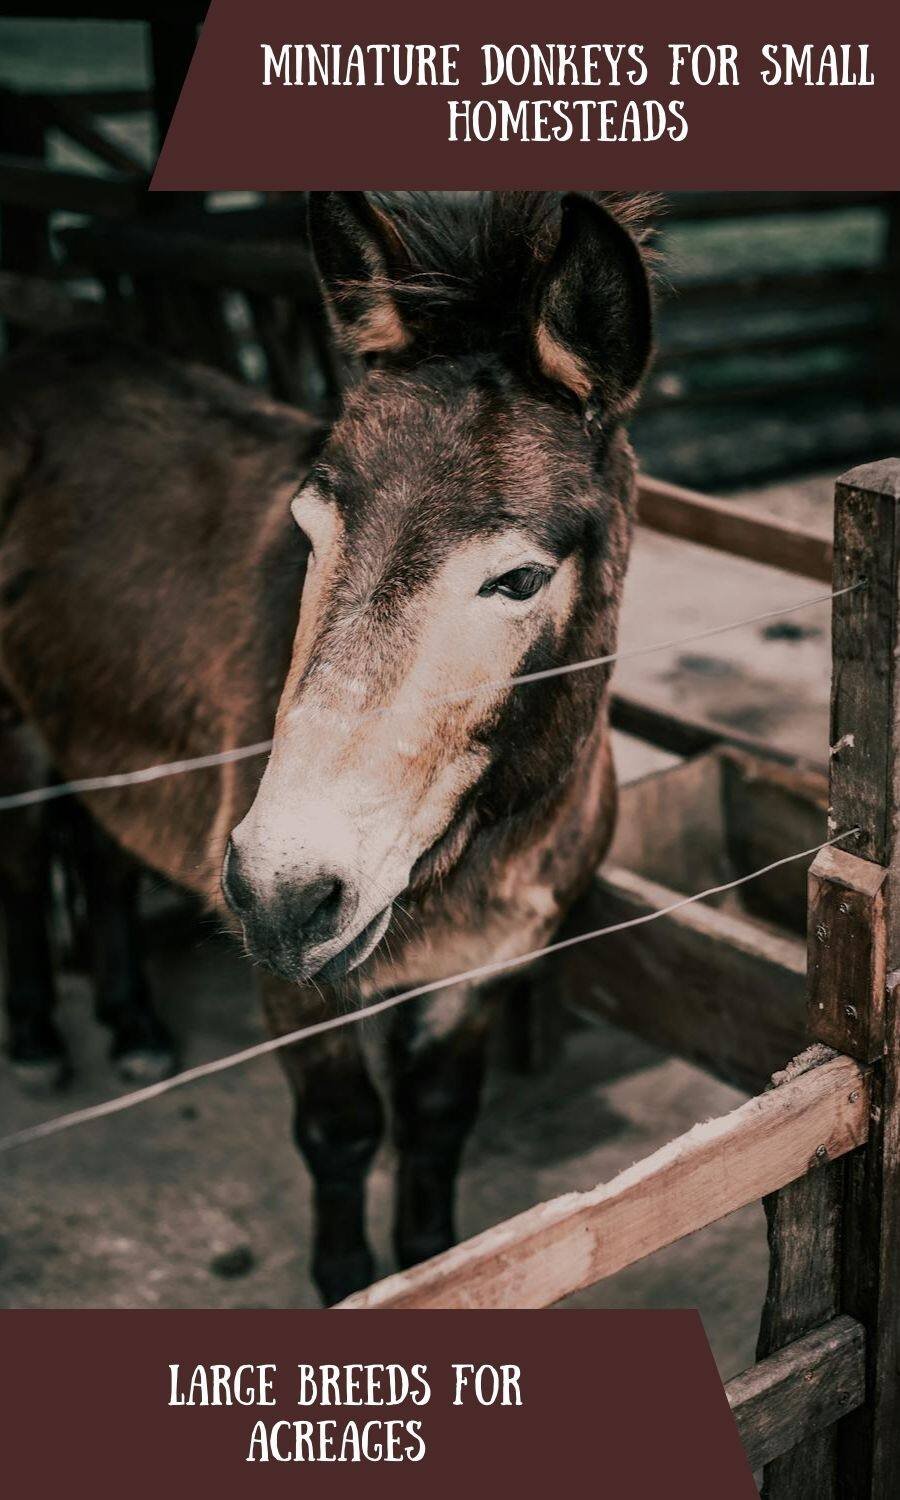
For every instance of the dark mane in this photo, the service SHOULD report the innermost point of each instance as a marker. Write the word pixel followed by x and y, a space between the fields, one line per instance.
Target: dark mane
pixel 476 255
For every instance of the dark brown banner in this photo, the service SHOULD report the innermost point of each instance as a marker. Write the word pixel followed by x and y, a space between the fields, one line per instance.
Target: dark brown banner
pixel 283 96
pixel 231 1404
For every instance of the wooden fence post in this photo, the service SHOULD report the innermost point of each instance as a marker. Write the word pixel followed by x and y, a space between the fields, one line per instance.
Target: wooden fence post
pixel 834 1236
pixel 855 948
pixel 803 1222
pixel 24 230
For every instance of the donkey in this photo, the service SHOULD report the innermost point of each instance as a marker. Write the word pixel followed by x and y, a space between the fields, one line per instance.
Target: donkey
pixel 184 562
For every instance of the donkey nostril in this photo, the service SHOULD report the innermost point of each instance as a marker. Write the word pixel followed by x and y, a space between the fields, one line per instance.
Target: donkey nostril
pixel 316 907
pixel 235 886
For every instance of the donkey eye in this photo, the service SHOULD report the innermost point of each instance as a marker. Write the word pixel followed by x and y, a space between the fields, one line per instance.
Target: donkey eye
pixel 520 583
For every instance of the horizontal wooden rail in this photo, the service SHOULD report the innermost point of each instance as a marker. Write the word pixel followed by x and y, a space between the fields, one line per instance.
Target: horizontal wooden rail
pixel 41 303
pixel 682 513
pixel 791 289
pixel 93 101
pixel 741 1007
pixel 685 734
pixel 718 206
pixel 858 334
pixel 819 1112
pixel 266 266
pixel 848 381
pixel 57 111
pixel 25 183
pixel 802 1389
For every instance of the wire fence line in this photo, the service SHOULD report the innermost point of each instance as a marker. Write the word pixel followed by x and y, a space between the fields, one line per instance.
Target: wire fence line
pixel 147 774
pixel 122 1102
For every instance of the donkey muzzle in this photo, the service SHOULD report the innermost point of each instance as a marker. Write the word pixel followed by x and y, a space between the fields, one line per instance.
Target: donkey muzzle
pixel 291 924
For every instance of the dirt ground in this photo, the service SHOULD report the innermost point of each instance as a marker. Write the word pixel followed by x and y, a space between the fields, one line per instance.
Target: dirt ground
pixel 199 1199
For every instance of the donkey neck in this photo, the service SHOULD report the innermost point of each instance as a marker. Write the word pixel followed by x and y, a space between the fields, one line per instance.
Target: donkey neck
pixel 515 881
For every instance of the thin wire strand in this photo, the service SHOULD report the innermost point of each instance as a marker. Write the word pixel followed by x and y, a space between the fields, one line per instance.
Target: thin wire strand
pixel 128 1101
pixel 262 747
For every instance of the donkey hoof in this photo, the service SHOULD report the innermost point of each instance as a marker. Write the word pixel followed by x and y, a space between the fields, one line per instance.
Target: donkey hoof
pixel 146 1064
pixel 143 1051
pixel 42 1076
pixel 339 1276
pixel 38 1057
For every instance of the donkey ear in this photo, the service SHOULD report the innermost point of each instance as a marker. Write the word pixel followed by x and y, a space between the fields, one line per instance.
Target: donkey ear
pixel 594 325
pixel 359 252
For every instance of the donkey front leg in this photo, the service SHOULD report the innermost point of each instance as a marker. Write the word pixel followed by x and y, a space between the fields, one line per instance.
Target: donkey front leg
pixel 33 1041
pixel 142 1047
pixel 438 1052
pixel 338 1125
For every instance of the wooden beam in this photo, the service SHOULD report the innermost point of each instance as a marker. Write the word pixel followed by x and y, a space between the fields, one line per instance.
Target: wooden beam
pixel 24 243
pixel 60 112
pixel 98 101
pixel 267 267
pixel 854 379
pixel 800 1391
pixel 29 184
pixel 803 1222
pixel 38 302
pixel 787 289
pixel 847 953
pixel 819 1112
pixel 678 512
pixel 686 735
pixel 692 206
pixel 741 998
pixel 680 354
pixel 865 791
pixel 75 122
pixel 864 639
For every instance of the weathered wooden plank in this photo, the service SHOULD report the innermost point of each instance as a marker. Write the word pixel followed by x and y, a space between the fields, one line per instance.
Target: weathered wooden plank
pixel 847 949
pixel 683 734
pixel 680 355
pixel 865 790
pixel 789 289
pixel 754 205
pixel 29 184
pixel 670 827
pixel 24 245
pixel 269 267
pixel 96 101
pixel 800 1391
pixel 864 628
pixel 854 378
pixel 770 810
pixel 682 513
pixel 534 1259
pixel 75 122
pixel 740 1006
pixel 38 302
pixel 803 1223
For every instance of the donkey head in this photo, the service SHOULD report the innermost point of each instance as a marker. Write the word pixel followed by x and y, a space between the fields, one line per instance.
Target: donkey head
pixel 467 521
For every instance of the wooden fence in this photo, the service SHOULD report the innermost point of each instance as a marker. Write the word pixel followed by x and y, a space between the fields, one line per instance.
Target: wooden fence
pixel 820 1410
pixel 733 337
pixel 238 290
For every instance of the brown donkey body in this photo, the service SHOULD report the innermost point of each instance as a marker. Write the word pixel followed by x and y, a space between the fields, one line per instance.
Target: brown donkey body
pixel 183 564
